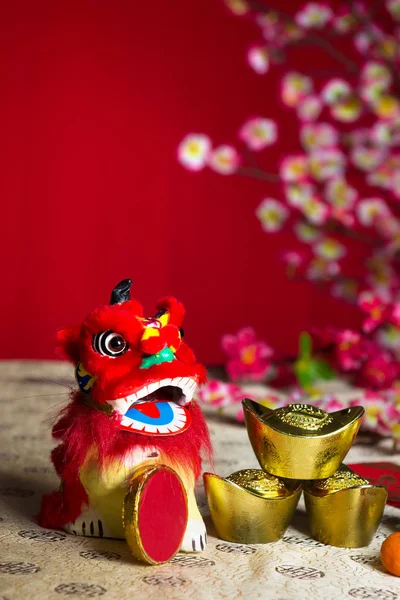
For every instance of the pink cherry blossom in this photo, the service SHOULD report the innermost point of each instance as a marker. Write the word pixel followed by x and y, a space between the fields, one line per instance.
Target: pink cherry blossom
pixel 335 90
pixel 325 164
pixel 272 214
pixel 320 269
pixel 391 420
pixel 297 193
pixel 194 150
pixel 292 258
pixel 224 160
pixel 378 372
pixel 377 73
pixel 271 27
pixel 295 88
pixel 375 308
pixel 314 15
pixel 318 135
pixel 350 350
pixel 367 158
pixel 220 394
pixel 294 168
pixel 329 249
pixel 240 415
pixel 340 194
pixel 363 41
pixel 309 109
pixel 348 110
pixel 370 210
pixel 315 211
pixel 306 232
pixel 238 7
pixel 258 59
pixel 248 357
pixel 330 404
pixel 386 107
pixel 343 20
pixel 393 7
pixel 382 133
pixel 258 133
pixel 395 314
pixel 375 406
pixel 389 336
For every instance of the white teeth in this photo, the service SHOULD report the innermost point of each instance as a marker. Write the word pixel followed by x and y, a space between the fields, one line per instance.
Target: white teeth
pixel 120 405
pixel 142 393
pixel 136 425
pixel 162 429
pixel 152 387
pixel 173 428
pixel 132 398
pixel 150 428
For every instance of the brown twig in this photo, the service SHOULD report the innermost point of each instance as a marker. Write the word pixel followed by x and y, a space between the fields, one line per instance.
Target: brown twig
pixel 336 227
pixel 316 40
pixel 257 173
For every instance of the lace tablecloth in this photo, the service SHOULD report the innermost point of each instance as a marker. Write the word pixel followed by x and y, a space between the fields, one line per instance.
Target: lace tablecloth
pixel 36 563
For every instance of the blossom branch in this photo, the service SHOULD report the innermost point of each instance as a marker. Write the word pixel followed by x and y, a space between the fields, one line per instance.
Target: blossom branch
pixel 310 39
pixel 257 173
pixel 335 227
pixel 367 21
pixel 316 40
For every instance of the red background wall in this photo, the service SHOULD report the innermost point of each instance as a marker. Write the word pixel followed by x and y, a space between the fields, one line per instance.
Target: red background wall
pixel 95 97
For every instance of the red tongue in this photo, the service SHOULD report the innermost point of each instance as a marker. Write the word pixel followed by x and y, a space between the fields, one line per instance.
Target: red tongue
pixel 150 409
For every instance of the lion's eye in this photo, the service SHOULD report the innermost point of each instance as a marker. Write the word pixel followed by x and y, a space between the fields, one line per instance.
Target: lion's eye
pixel 109 343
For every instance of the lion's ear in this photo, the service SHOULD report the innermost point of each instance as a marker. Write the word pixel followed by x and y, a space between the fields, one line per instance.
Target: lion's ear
pixel 68 343
pixel 175 309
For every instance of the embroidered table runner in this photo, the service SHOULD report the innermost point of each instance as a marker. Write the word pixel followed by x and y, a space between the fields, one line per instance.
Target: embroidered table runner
pixel 37 563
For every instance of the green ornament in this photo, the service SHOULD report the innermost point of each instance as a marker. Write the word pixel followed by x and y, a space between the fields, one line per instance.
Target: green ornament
pixel 165 355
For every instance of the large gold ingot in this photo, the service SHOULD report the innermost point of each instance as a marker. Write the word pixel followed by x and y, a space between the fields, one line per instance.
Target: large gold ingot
pixel 300 441
pixel 345 509
pixel 250 506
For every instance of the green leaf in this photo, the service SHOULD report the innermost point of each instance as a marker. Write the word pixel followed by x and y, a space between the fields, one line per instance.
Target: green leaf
pixel 324 370
pixel 305 345
pixel 310 371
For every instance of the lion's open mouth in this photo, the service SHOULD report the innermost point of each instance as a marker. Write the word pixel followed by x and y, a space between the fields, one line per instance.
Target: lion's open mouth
pixel 158 408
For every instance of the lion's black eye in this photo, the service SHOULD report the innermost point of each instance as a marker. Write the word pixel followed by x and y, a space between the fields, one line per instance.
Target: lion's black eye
pixel 109 343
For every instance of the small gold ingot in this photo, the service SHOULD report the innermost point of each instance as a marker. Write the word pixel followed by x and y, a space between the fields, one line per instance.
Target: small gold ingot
pixel 130 511
pixel 300 441
pixel 345 509
pixel 250 506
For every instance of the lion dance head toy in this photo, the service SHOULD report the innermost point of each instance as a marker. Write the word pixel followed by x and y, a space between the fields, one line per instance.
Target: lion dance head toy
pixel 131 440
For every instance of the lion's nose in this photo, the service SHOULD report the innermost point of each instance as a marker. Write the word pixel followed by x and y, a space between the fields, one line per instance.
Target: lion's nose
pixel 152 341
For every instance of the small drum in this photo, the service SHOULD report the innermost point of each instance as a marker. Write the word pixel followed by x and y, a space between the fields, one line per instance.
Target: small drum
pixel 155 514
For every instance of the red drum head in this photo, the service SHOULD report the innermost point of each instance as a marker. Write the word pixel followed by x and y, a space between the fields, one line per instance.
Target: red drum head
pixel 155 514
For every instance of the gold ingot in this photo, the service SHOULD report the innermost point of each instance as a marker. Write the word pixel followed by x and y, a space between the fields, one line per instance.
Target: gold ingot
pixel 300 441
pixel 345 509
pixel 250 506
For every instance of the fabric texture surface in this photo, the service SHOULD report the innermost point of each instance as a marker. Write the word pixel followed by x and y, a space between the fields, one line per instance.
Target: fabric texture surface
pixel 40 563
